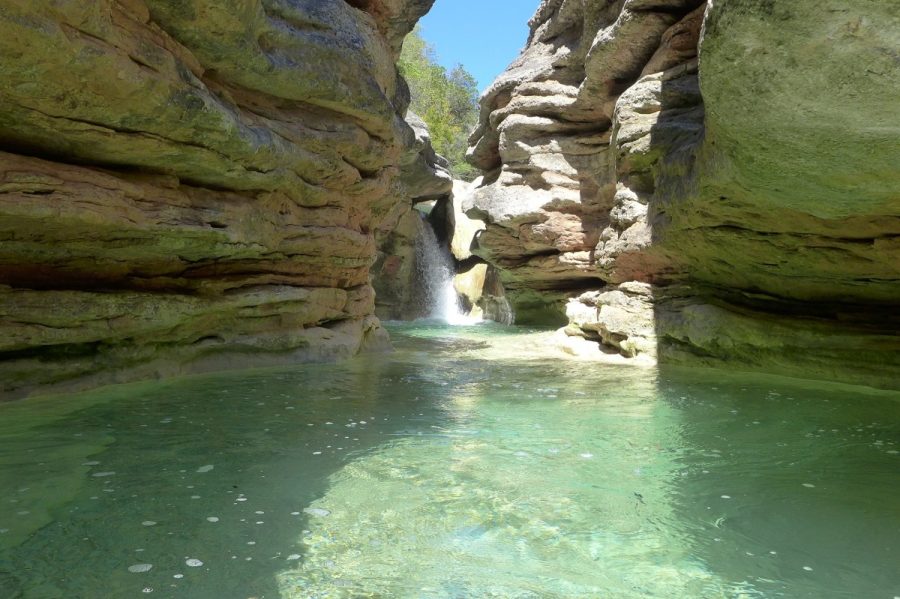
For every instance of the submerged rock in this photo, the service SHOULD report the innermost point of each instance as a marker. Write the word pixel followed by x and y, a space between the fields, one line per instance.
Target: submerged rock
pixel 140 568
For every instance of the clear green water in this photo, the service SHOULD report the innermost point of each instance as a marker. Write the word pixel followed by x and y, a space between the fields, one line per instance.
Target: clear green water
pixel 451 468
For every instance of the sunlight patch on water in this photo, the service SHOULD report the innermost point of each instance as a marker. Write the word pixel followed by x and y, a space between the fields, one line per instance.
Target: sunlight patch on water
pixel 430 516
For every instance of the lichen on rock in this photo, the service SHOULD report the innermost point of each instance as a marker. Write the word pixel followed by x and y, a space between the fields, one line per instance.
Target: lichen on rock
pixel 735 157
pixel 190 185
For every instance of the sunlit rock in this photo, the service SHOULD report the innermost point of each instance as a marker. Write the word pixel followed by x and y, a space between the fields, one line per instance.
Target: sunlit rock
pixel 738 156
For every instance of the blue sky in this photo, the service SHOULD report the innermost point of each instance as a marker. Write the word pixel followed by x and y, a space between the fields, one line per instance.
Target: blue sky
pixel 482 35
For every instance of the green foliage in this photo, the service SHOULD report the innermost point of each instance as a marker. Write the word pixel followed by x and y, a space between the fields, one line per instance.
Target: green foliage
pixel 447 102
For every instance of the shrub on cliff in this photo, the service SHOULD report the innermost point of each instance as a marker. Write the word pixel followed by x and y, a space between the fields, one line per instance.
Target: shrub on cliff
pixel 447 102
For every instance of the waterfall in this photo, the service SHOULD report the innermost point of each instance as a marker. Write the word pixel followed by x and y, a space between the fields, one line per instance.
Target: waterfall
pixel 434 264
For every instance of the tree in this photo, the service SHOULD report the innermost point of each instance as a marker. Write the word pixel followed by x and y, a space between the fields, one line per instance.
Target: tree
pixel 448 103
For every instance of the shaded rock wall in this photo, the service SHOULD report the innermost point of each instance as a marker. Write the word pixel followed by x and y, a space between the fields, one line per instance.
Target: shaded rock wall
pixel 186 185
pixel 424 180
pixel 789 230
pixel 712 183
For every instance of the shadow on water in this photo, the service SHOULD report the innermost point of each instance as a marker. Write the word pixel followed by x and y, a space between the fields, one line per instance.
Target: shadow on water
pixel 121 477
pixel 788 487
pixel 124 478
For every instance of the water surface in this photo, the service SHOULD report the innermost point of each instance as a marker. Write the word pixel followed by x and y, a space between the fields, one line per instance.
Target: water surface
pixel 453 468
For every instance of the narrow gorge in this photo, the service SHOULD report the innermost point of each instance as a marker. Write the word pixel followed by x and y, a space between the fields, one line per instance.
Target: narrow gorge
pixel 678 181
pixel 261 336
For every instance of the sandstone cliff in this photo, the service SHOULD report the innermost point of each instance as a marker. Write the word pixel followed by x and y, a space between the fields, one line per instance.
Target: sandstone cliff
pixel 187 185
pixel 190 185
pixel 713 183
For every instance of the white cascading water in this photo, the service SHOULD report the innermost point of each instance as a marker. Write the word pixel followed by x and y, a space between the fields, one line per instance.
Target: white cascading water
pixel 435 269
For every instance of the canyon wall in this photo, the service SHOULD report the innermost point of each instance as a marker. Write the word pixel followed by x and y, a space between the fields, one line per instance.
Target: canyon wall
pixel 710 183
pixel 190 185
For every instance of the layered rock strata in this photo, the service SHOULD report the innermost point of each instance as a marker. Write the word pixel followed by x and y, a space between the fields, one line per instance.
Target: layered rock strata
pixel 189 185
pixel 712 183
pixel 789 228
pixel 558 218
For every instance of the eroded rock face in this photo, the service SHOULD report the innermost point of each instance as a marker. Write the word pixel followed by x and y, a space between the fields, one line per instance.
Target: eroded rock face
pixel 708 182
pixel 568 170
pixel 797 182
pixel 477 283
pixel 185 185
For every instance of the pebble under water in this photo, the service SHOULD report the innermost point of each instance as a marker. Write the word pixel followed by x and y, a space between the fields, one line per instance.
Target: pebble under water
pixel 455 468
